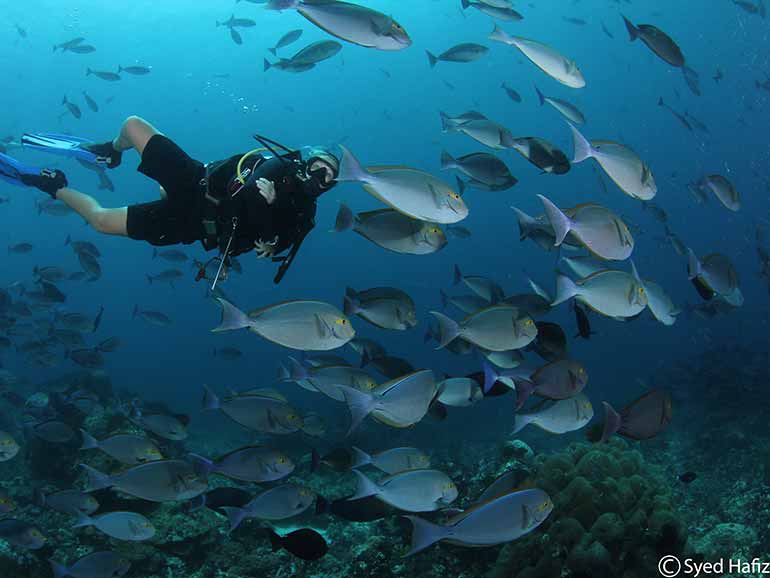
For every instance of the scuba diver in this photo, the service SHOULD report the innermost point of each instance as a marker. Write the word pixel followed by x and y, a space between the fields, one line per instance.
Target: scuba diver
pixel 247 202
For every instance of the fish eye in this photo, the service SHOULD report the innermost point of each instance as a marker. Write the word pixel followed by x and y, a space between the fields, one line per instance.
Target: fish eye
pixel 342 321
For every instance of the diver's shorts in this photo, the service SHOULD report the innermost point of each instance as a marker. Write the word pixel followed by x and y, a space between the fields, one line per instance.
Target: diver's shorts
pixel 177 218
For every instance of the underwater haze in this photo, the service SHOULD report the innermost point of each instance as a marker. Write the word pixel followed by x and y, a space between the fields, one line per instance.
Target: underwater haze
pixel 574 388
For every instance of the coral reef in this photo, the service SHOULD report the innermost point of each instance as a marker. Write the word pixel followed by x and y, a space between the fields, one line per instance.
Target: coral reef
pixel 614 517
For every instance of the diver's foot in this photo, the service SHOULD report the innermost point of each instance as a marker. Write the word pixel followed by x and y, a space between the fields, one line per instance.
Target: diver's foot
pixel 48 181
pixel 105 153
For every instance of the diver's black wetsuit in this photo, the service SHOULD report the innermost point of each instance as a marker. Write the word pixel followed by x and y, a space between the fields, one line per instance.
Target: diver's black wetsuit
pixel 179 217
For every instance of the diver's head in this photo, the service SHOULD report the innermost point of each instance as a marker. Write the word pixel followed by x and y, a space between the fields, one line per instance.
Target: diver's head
pixel 322 168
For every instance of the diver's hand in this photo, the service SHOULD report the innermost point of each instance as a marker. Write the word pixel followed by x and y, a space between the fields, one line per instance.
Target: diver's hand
pixel 265 249
pixel 267 190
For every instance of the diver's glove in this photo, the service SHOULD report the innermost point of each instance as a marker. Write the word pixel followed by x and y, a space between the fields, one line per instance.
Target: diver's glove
pixel 48 181
pixel 265 249
pixel 267 190
pixel 105 153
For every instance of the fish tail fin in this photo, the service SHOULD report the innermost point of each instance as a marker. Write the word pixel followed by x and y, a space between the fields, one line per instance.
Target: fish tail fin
pixel 59 570
pixel 83 520
pixel 235 516
pixel 520 422
pixel 89 72
pixel 232 318
pixel 283 373
pixel 660 101
pixel 322 505
pixel 149 279
pixel 68 240
pixel 365 487
pixel 583 148
pixel 498 34
pixel 344 220
pixel 276 542
pixel 490 376
pixel 540 96
pixel 273 51
pixel 89 441
pixel 315 461
pixel 431 59
pixel 559 221
pixel 96 479
pixel 457 275
pixel 446 124
pixel 526 223
pixel 693 265
pixel 633 31
pixel 428 334
pixel 202 466
pixel 424 534
pixel 565 290
pixel 447 161
pixel 360 458
pixel 351 303
pixel 612 422
pixel 38 497
pixel 465 4
pixel 538 289
pixel 210 399
pixel 266 65
pixel 448 329
pixel 461 185
pixel 297 371
pixel 444 299
pixel 360 404
pixel 524 389
pixel 135 311
pixel 350 168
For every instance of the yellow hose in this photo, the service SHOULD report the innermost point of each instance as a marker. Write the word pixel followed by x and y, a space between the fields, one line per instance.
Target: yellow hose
pixel 239 178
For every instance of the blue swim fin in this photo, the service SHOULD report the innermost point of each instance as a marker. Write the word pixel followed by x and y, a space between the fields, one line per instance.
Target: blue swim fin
pixel 11 170
pixel 17 173
pixel 64 145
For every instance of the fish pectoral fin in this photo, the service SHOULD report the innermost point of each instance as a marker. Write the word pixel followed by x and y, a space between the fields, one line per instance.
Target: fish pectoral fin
pixel 437 197
pixel 572 379
pixel 621 237
pixel 270 419
pixel 379 29
pixel 323 328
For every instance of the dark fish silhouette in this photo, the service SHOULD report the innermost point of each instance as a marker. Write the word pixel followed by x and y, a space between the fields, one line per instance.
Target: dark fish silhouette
pixel 306 544
pixel 642 419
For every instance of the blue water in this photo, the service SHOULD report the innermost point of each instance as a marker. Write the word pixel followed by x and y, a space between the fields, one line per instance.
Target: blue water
pixel 391 120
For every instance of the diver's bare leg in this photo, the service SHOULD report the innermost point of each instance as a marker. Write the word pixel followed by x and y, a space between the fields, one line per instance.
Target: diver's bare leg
pixel 135 133
pixel 107 221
